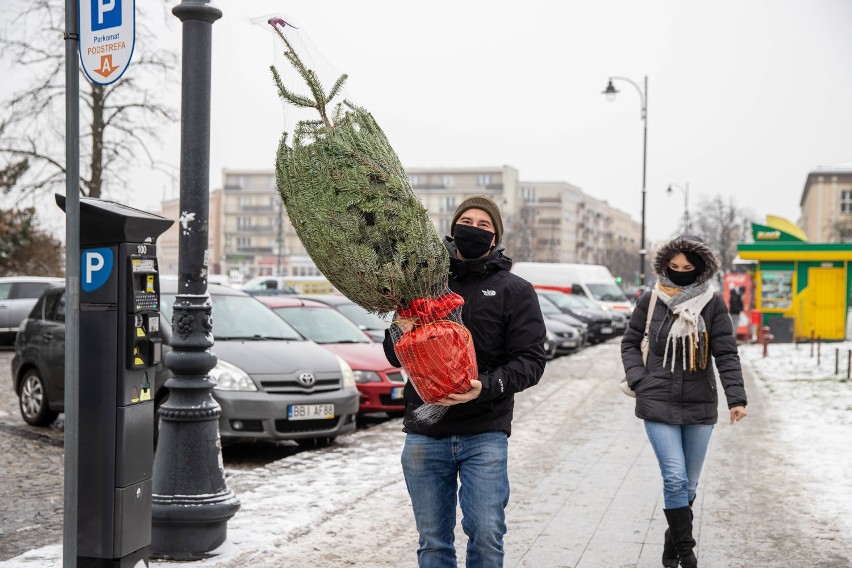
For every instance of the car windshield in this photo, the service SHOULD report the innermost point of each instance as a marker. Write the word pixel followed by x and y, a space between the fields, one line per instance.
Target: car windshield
pixel 565 301
pixel 240 317
pixel 362 317
pixel 548 307
pixel 322 325
pixel 607 292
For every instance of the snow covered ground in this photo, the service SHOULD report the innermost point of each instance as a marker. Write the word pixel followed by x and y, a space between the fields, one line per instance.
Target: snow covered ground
pixel 817 414
pixel 811 405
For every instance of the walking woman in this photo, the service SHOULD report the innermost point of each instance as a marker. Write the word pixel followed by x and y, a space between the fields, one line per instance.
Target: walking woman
pixel 676 390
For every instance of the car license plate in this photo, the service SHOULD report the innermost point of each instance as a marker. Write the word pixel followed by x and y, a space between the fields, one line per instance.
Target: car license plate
pixel 606 329
pixel 396 393
pixel 310 411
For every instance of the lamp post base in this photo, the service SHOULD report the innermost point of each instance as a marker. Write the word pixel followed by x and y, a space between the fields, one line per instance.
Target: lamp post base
pixel 190 527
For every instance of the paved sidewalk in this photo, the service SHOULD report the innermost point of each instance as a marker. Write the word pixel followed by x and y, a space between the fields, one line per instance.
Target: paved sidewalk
pixel 586 492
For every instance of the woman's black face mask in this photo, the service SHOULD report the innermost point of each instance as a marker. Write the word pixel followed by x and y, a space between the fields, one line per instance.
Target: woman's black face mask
pixel 682 278
pixel 472 242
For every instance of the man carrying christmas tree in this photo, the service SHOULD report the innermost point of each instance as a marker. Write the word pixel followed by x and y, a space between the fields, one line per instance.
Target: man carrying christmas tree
pixel 469 442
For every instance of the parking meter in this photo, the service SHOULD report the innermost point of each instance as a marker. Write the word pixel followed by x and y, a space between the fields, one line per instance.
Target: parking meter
pixel 120 347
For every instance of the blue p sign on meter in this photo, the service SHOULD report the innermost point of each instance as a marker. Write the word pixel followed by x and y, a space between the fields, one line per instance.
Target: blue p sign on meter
pixel 107 35
pixel 96 268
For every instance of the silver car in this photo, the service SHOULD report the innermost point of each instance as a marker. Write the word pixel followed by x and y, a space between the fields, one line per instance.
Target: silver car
pixel 18 295
pixel 271 382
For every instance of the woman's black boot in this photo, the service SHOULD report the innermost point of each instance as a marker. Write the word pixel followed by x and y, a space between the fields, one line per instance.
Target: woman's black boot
pixel 670 558
pixel 680 525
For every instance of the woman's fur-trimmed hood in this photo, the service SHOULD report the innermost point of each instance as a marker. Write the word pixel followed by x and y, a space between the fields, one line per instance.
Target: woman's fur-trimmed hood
pixel 687 243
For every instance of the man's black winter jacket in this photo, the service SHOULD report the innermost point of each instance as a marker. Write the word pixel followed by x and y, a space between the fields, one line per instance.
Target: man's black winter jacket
pixel 501 311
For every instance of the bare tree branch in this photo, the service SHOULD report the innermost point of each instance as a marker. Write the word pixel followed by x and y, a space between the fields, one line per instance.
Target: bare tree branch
pixel 723 226
pixel 127 115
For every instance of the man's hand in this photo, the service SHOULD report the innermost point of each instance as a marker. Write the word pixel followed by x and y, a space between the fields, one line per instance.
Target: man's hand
pixel 471 394
pixel 405 325
pixel 738 413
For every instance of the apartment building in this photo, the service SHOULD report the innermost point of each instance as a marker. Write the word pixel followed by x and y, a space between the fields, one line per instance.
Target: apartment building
pixel 826 204
pixel 543 221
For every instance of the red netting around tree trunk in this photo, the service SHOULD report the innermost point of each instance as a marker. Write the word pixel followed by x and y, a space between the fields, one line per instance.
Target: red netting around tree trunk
pixel 438 352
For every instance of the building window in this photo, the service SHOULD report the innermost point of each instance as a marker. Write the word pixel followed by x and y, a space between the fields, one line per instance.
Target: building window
pixel 448 204
pixel 447 181
pixel 243 222
pixel 483 180
pixel 414 181
pixel 846 201
pixel 528 194
pixel 243 242
pixel 444 226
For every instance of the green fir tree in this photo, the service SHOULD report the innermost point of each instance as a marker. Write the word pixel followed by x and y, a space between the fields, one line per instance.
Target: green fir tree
pixel 350 201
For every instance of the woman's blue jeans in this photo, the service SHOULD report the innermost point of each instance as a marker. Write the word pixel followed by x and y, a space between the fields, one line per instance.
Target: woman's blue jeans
pixel 680 450
pixel 432 468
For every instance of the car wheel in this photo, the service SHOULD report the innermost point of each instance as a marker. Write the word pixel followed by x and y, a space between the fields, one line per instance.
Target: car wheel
pixel 32 400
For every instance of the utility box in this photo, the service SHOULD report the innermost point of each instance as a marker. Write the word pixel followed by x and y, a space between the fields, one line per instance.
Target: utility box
pixel 783 330
pixel 120 347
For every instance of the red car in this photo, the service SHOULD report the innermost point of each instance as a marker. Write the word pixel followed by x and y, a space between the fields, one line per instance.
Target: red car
pixel 379 383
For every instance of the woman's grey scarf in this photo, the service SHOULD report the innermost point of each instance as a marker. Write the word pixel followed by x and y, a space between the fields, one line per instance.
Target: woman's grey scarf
pixel 688 327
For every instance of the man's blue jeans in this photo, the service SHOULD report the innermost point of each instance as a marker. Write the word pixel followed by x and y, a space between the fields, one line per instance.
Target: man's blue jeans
pixel 432 468
pixel 680 450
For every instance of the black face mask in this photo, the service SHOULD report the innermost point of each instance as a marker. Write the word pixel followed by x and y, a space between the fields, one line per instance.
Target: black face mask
pixel 682 278
pixel 472 242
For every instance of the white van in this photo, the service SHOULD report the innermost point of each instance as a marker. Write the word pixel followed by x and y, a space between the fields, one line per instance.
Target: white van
pixel 591 280
pixel 288 284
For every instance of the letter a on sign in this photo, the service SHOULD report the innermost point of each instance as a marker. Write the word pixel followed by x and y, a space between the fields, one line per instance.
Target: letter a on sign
pixel 107 36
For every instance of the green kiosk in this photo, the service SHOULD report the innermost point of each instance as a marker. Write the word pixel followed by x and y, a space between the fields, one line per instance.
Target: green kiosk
pixel 806 284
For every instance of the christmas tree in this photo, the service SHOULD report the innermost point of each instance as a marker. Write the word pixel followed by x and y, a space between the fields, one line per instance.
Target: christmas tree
pixel 350 201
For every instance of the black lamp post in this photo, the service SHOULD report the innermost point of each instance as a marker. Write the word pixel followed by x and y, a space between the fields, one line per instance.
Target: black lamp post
pixel 685 190
pixel 191 503
pixel 610 93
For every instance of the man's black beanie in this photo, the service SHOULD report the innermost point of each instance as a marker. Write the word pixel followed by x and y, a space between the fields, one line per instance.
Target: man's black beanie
pixel 486 204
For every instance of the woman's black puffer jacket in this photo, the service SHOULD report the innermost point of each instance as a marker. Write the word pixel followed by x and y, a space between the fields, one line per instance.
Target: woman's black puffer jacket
pixel 681 397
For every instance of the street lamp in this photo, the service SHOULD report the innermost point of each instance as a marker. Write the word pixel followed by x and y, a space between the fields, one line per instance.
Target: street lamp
pixel 610 93
pixel 191 502
pixel 685 190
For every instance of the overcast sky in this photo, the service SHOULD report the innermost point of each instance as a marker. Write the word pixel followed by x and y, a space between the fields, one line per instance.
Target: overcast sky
pixel 745 96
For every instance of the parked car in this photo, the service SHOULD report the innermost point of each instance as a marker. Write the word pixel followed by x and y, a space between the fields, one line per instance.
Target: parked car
pixel 379 383
pixel 372 324
pixel 561 338
pixel 599 322
pixel 38 365
pixel 269 378
pixel 551 312
pixel 271 381
pixel 18 295
pixel 619 317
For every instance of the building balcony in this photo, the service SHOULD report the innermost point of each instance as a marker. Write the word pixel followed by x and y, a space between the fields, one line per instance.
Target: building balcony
pixel 254 250
pixel 254 230
pixel 238 209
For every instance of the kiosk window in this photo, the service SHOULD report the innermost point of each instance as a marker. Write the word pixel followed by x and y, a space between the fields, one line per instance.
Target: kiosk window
pixel 776 289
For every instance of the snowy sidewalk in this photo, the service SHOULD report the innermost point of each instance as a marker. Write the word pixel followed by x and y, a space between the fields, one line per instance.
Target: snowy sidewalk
pixel 586 490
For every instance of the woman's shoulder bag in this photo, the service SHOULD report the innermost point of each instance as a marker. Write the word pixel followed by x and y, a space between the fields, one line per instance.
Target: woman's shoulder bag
pixel 644 346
